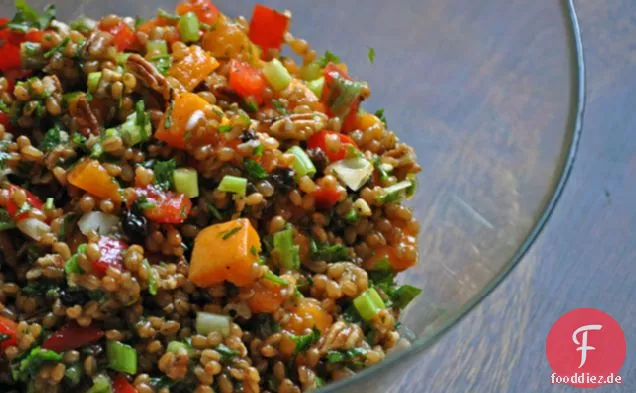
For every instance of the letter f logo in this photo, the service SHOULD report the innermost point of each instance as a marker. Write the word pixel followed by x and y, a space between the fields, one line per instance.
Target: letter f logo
pixel 583 344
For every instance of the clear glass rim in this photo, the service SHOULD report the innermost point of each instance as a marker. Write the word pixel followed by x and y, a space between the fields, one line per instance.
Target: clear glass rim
pixel 574 126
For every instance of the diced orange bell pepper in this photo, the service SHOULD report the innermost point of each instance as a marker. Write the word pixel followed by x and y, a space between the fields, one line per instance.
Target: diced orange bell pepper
pixel 307 315
pixel 266 299
pixel 226 40
pixel 194 67
pixel 92 177
pixel 185 107
pixel 225 252
pixel 389 252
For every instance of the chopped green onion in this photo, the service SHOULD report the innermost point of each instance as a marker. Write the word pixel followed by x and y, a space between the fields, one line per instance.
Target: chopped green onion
pixel 311 71
pixel 302 164
pixel 137 127
pixel 93 81
pixel 288 252
pixel 275 279
pixel 157 47
pixel 122 58
pixel 83 24
pixel 101 384
pixel 186 181
pixel 369 304
pixel 277 74
pixel 32 55
pixel 254 169
pixel 189 27
pixel 329 57
pixel 343 93
pixel 50 204
pixel 250 105
pixel 394 192
pixel 380 115
pixel 121 357
pixel 152 278
pixel 207 323
pixel 317 86
pixel 233 184
pixel 176 347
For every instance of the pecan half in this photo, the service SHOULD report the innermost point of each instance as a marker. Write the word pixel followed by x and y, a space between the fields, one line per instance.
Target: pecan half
pixel 85 118
pixel 148 75
pixel 299 126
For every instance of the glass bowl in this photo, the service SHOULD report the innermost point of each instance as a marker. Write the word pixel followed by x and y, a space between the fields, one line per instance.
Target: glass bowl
pixel 490 94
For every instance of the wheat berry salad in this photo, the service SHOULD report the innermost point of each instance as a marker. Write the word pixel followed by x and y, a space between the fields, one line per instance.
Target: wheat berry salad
pixel 184 209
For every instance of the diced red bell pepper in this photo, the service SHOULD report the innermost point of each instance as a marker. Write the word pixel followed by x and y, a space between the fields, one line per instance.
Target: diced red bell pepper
pixel 123 36
pixel 9 52
pixel 8 327
pixel 34 36
pixel 12 207
pixel 121 385
pixel 72 336
pixel 247 81
pixel 111 255
pixel 319 141
pixel 165 207
pixel 327 197
pixel 331 73
pixel 206 11
pixel 268 27
pixel 5 120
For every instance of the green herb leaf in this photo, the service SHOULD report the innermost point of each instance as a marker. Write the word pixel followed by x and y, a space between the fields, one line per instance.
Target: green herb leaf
pixel 30 365
pixel 380 114
pixel 331 252
pixel 164 173
pixel 329 57
pixel 346 355
pixel 377 162
pixel 168 121
pixel 152 278
pixel 54 137
pixel 342 94
pixel 4 107
pixel 225 128
pixel 371 55
pixel 58 48
pixel 280 108
pixel 72 264
pixel 250 105
pixel 227 354
pixel 352 216
pixel 258 151
pixel 303 343
pixel 83 24
pixel 216 212
pixel 402 296
pixel 254 169
pixel 6 222
pixel 166 15
pixel 27 17
pixel 142 203
pixel 275 279
pixel 162 63
pixel 226 234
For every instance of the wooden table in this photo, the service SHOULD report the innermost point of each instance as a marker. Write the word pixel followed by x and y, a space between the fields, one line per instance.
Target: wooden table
pixel 585 257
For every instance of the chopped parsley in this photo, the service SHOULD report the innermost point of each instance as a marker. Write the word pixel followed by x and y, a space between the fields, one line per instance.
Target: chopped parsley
pixel 168 121
pixel 153 285
pixel 303 343
pixel 329 252
pixel 225 128
pixel 27 17
pixel 254 250
pixel 54 137
pixel 380 114
pixel 4 107
pixel 280 108
pixel 162 63
pixel 258 151
pixel 227 354
pixel 250 105
pixel 29 366
pixel 164 173
pixel 58 48
pixel 275 279
pixel 352 216
pixel 371 55
pixel 226 234
pixel 216 212
pixel 5 221
pixel 328 57
pixel 346 355
pixel 254 169
pixel 377 162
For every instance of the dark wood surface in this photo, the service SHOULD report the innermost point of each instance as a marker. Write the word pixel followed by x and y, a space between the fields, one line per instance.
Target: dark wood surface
pixel 585 257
